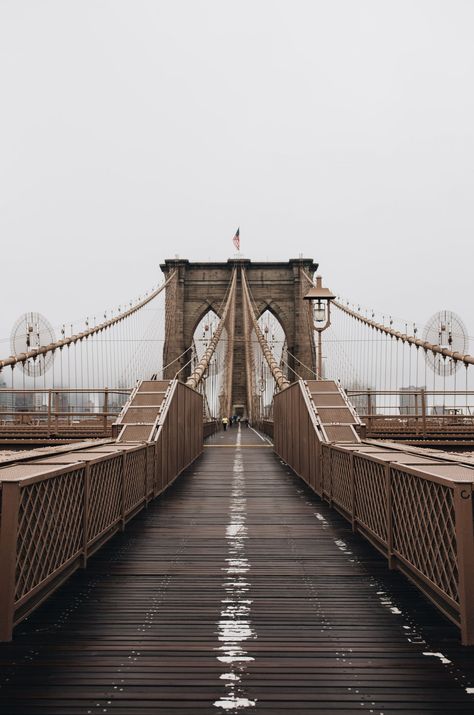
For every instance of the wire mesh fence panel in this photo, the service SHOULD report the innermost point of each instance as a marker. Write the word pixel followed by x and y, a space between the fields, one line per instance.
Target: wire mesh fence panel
pixel 424 529
pixel 105 495
pixel 341 487
pixel 50 528
pixel 371 496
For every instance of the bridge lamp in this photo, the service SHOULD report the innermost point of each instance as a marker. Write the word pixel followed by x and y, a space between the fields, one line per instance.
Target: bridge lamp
pixel 321 298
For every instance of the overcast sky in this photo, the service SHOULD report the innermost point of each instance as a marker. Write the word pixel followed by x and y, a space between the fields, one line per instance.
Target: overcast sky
pixel 131 131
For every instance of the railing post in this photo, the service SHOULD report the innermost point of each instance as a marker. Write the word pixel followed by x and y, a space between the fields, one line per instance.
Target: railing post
pixel 318 467
pixel 50 398
pixel 369 409
pixel 463 494
pixel 8 552
pixel 124 470
pixel 423 411
pixel 388 517
pixel 56 409
pixel 417 426
pixel 85 514
pixel 106 409
pixel 149 469
pixel 328 477
pixel 353 494
pixel 157 470
pixel 331 478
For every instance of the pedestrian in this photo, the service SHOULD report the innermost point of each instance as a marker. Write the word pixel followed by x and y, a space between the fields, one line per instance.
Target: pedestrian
pixel 230 422
pixel 225 422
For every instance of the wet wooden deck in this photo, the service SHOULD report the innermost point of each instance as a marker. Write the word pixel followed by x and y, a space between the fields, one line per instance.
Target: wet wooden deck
pixel 238 591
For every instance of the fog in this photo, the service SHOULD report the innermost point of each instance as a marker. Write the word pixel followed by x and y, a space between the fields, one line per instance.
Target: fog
pixel 132 131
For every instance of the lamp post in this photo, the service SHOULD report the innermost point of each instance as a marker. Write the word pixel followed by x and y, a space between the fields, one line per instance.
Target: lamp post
pixel 321 298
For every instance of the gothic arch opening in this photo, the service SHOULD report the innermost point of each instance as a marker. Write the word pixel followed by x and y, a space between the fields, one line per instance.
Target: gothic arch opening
pixel 213 383
pixel 275 336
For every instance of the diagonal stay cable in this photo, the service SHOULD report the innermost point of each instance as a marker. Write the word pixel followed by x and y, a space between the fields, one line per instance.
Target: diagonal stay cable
pixel 276 371
pixel 198 372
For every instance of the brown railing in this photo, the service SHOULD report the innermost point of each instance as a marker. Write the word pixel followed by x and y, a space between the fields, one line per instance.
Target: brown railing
pixel 210 428
pixel 57 511
pixel 60 412
pixel 296 435
pixel 417 413
pixel 418 514
pixel 265 426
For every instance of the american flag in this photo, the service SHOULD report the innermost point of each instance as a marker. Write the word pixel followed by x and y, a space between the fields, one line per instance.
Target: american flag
pixel 236 239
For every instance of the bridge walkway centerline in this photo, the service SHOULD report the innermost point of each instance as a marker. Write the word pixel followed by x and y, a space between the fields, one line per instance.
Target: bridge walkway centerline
pixel 237 591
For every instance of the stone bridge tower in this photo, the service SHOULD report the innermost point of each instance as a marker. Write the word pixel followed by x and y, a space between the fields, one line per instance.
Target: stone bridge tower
pixel 200 287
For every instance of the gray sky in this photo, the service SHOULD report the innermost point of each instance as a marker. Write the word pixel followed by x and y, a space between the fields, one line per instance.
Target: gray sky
pixel 131 131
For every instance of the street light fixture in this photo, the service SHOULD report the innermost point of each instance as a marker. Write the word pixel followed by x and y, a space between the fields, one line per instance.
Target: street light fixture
pixel 321 298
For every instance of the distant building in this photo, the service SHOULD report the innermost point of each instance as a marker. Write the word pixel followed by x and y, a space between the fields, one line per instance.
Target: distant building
pixel 61 401
pixel 410 400
pixel 363 399
pixel 6 401
pixel 39 401
pixel 89 406
pixel 23 402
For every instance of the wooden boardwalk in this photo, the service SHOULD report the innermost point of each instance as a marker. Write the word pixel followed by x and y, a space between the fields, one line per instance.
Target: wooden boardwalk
pixel 238 591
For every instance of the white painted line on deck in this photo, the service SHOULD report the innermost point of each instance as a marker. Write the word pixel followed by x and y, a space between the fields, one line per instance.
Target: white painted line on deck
pixel 234 627
pixel 258 435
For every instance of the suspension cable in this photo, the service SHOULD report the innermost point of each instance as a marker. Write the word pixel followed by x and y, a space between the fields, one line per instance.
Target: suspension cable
pixel 427 346
pixel 276 371
pixel 43 350
pixel 198 372
pixel 466 359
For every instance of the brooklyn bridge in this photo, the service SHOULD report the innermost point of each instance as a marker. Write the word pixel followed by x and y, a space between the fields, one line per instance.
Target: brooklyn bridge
pixel 240 492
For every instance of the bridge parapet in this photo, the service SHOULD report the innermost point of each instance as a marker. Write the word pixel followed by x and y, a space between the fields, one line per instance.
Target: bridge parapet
pixel 58 510
pixel 416 510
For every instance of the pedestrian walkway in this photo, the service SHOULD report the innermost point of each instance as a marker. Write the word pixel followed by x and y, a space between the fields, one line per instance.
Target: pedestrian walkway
pixel 237 591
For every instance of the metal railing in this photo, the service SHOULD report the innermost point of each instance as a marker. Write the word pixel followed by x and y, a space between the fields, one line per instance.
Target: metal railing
pixel 417 510
pixel 56 412
pixel 416 516
pixel 57 511
pixel 417 412
pixel 210 427
pixel 296 434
